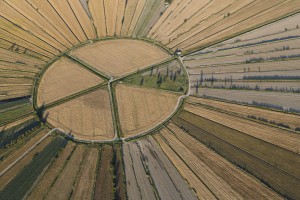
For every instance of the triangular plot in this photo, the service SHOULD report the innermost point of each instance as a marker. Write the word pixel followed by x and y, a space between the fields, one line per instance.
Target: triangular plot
pixel 62 79
pixel 142 109
pixel 87 117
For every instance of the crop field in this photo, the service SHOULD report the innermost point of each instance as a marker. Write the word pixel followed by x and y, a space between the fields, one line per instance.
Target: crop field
pixel 132 54
pixel 111 11
pixel 45 9
pixel 7 160
pixel 84 184
pixel 97 10
pixel 141 109
pixel 84 20
pixel 282 101
pixel 104 180
pixel 232 69
pixel 137 181
pixel 9 136
pixel 282 138
pixel 86 118
pixel 246 111
pixel 67 15
pixel 128 15
pixel 16 17
pixel 18 187
pixel 138 11
pixel 265 161
pixel 120 179
pixel 167 180
pixel 30 13
pixel 63 185
pixel 63 79
pixel 141 21
pixel 42 187
pixel 284 28
pixel 244 184
pixel 11 110
pixel 257 61
pixel 149 99
pixel 219 21
pixel 169 76
pixel 13 171
pixel 120 16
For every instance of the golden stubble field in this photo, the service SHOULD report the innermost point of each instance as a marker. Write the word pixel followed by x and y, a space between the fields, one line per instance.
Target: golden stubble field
pixel 87 117
pixel 121 56
pixel 141 109
pixel 62 79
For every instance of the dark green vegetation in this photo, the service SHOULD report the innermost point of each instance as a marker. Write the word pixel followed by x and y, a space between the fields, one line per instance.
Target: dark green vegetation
pixel 119 178
pixel 8 136
pixel 23 182
pixel 276 167
pixel 168 76
pixel 20 141
pixel 14 109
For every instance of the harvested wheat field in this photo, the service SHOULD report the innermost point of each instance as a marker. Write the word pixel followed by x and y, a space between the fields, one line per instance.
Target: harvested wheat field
pixel 63 79
pixel 120 57
pixel 141 109
pixel 86 118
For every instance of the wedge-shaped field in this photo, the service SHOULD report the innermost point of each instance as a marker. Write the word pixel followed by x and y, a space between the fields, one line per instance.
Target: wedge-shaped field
pixel 141 109
pixel 62 79
pixel 88 117
pixel 120 57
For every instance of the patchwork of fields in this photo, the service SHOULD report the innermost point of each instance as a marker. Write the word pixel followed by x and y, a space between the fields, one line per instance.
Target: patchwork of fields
pixel 149 99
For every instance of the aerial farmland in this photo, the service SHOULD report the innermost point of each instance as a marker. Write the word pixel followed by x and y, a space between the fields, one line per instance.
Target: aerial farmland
pixel 149 99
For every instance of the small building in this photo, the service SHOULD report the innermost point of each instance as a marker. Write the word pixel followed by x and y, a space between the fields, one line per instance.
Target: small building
pixel 178 52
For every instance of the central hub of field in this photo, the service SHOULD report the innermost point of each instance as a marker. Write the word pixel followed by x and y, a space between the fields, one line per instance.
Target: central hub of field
pixel 109 89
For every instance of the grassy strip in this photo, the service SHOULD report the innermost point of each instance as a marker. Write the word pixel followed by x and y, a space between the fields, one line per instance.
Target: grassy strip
pixel 276 171
pixel 117 122
pixel 20 185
